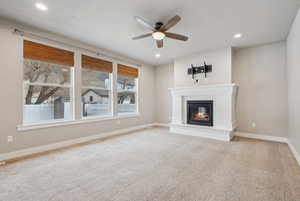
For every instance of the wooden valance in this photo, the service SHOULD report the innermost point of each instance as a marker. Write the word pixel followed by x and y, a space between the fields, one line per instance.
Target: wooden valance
pixel 128 71
pixel 96 64
pixel 33 50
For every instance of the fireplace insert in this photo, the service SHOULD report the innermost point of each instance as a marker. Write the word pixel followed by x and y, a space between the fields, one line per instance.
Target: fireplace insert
pixel 200 112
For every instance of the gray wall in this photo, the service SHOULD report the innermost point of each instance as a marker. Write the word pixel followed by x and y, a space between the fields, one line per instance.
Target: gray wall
pixel 11 100
pixel 164 75
pixel 293 66
pixel 260 73
pixel 221 74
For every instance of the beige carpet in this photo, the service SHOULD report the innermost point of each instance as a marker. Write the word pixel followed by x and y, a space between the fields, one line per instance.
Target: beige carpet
pixel 153 165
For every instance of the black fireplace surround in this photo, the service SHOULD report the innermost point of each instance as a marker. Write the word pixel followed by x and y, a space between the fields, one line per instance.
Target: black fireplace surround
pixel 200 112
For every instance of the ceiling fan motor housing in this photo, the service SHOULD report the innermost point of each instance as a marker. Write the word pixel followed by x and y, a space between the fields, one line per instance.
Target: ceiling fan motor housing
pixel 158 25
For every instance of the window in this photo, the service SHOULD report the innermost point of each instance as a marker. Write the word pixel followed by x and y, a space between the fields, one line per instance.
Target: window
pixel 47 83
pixel 96 87
pixel 127 89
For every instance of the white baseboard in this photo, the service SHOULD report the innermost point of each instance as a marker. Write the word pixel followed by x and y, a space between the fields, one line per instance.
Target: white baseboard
pixel 161 125
pixel 294 151
pixel 261 137
pixel 43 148
pixel 273 139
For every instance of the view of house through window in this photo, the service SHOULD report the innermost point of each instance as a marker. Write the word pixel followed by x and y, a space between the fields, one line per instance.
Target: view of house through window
pixel 46 91
pixel 95 93
pixel 96 87
pixel 126 89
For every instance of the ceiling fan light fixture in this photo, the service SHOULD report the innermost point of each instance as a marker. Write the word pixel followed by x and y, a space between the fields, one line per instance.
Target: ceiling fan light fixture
pixel 158 35
pixel 41 6
pixel 238 35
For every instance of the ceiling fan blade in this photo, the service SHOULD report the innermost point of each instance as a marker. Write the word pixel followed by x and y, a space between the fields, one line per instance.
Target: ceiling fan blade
pixel 159 43
pixel 144 23
pixel 142 36
pixel 172 22
pixel 176 36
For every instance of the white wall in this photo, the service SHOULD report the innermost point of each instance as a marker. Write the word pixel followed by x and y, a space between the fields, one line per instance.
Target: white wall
pixel 260 73
pixel 221 70
pixel 164 75
pixel 11 100
pixel 293 67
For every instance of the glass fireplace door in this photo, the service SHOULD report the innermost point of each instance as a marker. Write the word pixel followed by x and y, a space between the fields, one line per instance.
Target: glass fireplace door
pixel 200 112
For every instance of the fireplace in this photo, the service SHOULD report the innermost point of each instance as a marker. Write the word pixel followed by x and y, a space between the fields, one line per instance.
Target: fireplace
pixel 200 112
pixel 218 102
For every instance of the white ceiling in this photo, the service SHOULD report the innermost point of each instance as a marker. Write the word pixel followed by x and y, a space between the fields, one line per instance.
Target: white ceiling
pixel 109 24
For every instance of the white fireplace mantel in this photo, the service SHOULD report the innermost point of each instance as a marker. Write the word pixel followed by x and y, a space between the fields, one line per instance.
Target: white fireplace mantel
pixel 224 101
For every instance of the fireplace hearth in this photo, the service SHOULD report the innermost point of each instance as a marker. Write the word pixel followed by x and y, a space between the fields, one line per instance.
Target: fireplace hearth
pixel 200 112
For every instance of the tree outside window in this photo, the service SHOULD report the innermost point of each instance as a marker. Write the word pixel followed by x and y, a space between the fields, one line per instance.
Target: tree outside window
pixel 46 90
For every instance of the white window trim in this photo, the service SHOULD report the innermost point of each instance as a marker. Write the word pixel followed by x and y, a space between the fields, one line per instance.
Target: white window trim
pixel 71 85
pixel 49 124
pixel 75 85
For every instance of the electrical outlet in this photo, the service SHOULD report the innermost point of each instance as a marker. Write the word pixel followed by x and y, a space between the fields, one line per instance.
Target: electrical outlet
pixel 119 122
pixel 10 139
pixel 253 125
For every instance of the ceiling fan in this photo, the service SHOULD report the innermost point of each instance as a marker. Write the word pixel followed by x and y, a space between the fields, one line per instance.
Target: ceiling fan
pixel 159 30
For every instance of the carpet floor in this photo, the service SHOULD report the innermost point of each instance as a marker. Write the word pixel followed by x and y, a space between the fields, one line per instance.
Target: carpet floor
pixel 154 165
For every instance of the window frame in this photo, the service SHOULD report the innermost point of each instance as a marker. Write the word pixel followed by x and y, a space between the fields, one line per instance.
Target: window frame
pixel 71 85
pixel 75 88
pixel 136 112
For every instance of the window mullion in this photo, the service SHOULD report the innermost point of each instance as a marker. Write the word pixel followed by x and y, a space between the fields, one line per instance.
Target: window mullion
pixel 77 86
pixel 93 87
pixel 114 90
pixel 48 84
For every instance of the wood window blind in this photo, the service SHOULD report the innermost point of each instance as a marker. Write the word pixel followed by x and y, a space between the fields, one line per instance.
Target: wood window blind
pixel 33 50
pixel 128 71
pixel 96 64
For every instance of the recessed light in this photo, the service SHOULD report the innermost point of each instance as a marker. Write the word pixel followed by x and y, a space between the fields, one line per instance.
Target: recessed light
pixel 238 35
pixel 157 55
pixel 41 6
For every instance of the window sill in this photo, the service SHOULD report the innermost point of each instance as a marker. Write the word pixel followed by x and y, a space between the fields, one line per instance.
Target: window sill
pixel 34 126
